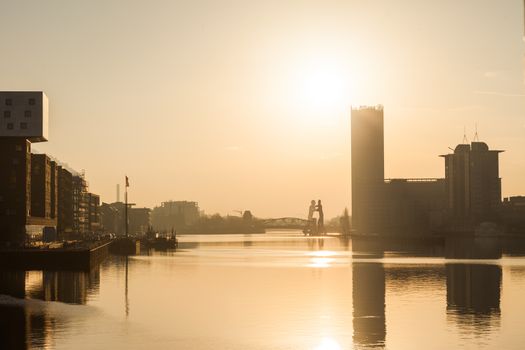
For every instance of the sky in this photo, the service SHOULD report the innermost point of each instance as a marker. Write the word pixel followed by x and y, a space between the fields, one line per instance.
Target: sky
pixel 245 105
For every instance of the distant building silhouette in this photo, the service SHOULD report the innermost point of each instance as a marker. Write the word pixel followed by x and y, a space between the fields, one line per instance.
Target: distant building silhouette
pixel 512 214
pixel 368 171
pixel 469 195
pixel 112 218
pixel 393 206
pixel 473 183
pixel 174 214
pixel 414 206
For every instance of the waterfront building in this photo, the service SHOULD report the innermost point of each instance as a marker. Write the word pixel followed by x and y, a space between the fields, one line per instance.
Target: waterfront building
pixel 368 205
pixel 65 203
pixel 40 186
pixel 53 167
pixel 23 119
pixel 139 220
pixel 414 206
pixel 391 206
pixel 37 196
pixel 112 218
pixel 473 183
pixel 512 214
pixel 173 214
pixel 80 205
pixel 42 222
pixel 94 225
pixel 15 189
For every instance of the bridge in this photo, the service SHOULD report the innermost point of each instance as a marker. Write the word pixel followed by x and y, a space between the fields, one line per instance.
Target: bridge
pixel 286 223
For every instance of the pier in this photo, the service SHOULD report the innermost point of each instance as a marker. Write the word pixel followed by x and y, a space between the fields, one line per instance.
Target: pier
pixel 69 258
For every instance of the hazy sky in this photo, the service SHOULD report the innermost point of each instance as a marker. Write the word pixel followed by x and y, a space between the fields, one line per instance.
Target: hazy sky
pixel 246 104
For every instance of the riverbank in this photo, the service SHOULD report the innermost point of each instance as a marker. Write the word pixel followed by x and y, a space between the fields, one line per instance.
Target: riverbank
pixel 82 257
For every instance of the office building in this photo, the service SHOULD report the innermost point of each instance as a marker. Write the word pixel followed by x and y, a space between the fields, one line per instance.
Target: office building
pixel 23 119
pixel 139 220
pixel 15 189
pixel 65 203
pixel 80 204
pixel 53 167
pixel 112 218
pixel 173 214
pixel 24 114
pixel 368 206
pixel 414 206
pixel 473 183
pixel 94 225
pixel 512 214
pixel 40 186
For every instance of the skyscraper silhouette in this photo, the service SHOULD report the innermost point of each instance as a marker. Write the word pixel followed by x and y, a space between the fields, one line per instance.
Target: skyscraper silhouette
pixel 367 168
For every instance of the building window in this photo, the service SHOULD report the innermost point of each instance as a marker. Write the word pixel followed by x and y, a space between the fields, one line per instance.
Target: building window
pixel 27 114
pixel 7 114
pixel 8 102
pixel 9 126
pixel 31 101
pixel 23 126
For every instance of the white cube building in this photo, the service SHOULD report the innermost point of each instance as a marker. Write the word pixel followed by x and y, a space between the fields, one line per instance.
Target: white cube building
pixel 24 114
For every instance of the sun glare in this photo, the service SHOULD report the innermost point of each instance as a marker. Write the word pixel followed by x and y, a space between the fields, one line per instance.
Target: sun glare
pixel 328 344
pixel 321 85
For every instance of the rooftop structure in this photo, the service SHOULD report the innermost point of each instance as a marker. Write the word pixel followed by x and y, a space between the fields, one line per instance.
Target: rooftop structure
pixel 24 114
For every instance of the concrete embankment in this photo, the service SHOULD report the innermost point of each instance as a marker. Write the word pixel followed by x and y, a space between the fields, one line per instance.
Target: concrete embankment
pixel 78 258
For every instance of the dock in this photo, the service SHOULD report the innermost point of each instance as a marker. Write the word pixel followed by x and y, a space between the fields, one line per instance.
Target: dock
pixel 71 258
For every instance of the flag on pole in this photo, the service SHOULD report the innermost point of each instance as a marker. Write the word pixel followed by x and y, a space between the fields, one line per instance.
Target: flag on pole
pixel 127 182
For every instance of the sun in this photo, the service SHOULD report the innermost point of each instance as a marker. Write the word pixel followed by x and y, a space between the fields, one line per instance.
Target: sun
pixel 322 85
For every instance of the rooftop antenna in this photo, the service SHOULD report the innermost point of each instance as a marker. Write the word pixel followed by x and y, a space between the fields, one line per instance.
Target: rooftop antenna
pixel 465 140
pixel 476 136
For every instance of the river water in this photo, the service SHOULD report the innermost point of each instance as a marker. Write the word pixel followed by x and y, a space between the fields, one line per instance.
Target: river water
pixel 278 290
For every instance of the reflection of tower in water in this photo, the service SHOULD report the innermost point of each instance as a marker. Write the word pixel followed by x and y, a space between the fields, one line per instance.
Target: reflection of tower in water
pixel 368 295
pixel 473 295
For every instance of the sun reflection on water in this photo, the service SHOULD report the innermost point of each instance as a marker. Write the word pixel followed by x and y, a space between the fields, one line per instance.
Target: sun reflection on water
pixel 320 262
pixel 328 344
pixel 321 259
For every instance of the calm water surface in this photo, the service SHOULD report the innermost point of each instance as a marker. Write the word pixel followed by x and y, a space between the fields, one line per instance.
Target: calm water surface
pixel 275 291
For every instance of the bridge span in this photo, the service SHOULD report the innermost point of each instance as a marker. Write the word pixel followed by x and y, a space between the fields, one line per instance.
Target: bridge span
pixel 285 223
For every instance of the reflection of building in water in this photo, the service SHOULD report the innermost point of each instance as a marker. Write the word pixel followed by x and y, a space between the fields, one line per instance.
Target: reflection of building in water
pixel 71 287
pixel 473 248
pixel 368 295
pixel 473 295
pixel 25 326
